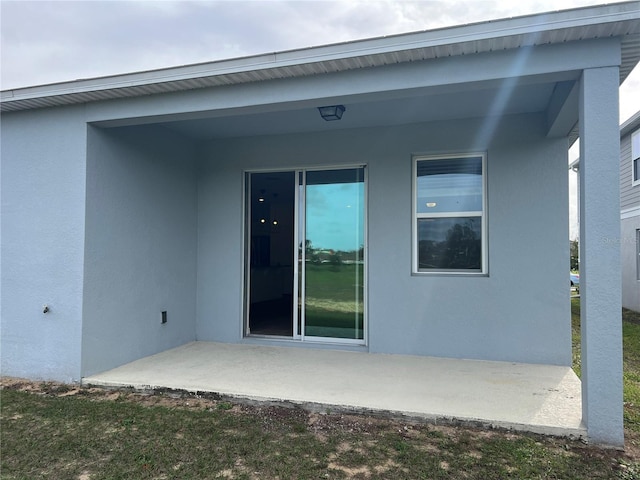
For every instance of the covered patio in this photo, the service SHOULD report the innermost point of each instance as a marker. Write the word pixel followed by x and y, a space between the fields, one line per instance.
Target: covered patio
pixel 455 143
pixel 537 398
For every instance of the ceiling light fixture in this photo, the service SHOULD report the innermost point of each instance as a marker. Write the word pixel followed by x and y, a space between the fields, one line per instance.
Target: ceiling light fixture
pixel 331 112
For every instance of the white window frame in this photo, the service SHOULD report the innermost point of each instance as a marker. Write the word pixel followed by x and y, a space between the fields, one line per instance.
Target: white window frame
pixel 635 158
pixel 484 271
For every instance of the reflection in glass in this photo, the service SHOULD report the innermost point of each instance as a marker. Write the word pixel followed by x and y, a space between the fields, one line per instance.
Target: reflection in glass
pixel 334 253
pixel 450 243
pixel 449 185
pixel 270 229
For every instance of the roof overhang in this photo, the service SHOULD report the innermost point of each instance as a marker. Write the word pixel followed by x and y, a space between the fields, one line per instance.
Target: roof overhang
pixel 620 20
pixel 630 125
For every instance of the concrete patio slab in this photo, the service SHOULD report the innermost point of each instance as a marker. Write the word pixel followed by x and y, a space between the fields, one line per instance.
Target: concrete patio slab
pixel 538 398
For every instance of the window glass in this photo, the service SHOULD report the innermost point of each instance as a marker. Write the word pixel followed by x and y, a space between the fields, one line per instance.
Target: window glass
pixel 451 185
pixel 449 204
pixel 450 243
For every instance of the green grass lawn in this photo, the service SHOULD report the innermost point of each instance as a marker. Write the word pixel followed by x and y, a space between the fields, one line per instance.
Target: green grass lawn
pixel 631 356
pixel 65 432
pixel 60 433
pixel 334 300
pixel 334 282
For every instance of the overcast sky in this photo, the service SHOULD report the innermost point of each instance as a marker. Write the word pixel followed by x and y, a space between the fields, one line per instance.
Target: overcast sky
pixel 53 41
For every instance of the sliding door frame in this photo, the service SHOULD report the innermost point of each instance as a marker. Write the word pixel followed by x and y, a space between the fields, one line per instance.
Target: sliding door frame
pixel 299 297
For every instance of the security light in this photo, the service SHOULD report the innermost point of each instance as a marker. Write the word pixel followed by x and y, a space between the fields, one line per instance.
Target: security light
pixel 331 112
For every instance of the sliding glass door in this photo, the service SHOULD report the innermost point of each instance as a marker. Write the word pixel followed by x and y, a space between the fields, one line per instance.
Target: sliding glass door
pixel 305 247
pixel 334 254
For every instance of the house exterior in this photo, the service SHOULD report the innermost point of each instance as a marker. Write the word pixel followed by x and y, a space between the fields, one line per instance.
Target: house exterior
pixel 630 211
pixel 212 202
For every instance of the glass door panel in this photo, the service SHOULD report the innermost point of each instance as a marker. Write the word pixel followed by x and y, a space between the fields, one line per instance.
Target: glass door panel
pixel 270 251
pixel 333 271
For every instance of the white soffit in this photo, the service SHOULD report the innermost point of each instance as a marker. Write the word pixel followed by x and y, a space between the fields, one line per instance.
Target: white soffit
pixel 617 20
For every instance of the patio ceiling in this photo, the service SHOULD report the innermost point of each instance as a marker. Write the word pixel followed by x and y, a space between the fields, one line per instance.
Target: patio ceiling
pixel 418 105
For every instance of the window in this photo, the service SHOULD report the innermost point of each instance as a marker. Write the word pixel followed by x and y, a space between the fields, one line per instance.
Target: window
pixel 635 157
pixel 449 231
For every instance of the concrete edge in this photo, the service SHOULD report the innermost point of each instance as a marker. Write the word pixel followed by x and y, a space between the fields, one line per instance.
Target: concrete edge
pixel 316 407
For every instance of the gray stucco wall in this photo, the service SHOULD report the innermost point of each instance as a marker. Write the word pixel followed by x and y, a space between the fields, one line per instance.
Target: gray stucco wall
pixel 43 190
pixel 519 312
pixel 164 224
pixel 140 245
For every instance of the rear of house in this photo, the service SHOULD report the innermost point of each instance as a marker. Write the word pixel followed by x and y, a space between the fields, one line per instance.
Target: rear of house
pixel 214 203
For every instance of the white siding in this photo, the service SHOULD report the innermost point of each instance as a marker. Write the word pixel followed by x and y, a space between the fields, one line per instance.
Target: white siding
pixel 629 193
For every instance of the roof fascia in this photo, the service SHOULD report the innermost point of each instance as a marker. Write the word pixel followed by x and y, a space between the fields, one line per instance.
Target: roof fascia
pixel 630 125
pixel 561 62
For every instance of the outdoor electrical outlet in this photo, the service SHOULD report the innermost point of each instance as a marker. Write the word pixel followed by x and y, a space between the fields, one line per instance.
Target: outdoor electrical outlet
pixel 164 317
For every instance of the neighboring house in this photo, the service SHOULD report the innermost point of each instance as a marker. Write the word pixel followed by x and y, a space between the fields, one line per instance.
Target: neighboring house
pixel 629 239
pixel 216 193
pixel 630 211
